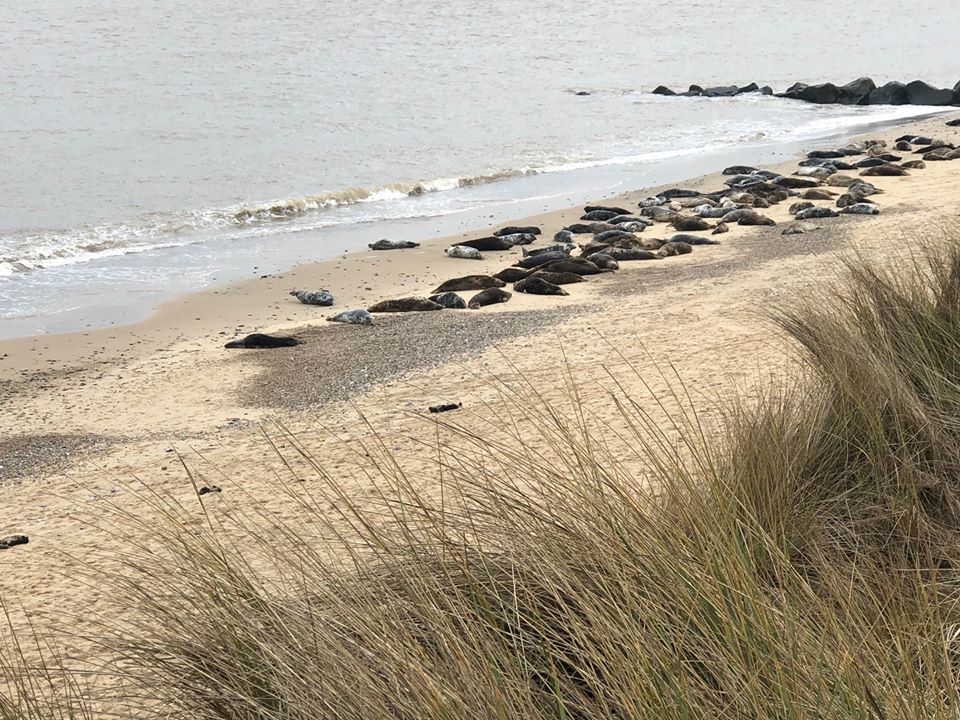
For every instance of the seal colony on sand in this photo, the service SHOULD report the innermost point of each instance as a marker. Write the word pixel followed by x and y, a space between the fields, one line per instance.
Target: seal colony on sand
pixel 609 235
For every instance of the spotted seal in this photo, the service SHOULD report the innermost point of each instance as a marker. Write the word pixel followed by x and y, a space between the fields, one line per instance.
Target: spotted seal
pixel 449 301
pixel 464 252
pixel 392 245
pixel 408 304
pixel 913 165
pixel 490 296
pixel 798 206
pixel 538 286
pixel 259 341
pixel 720 229
pixel 358 316
pixel 599 215
pixel 520 238
pixel 469 282
pixel 516 230
pixel 563 236
pixel 313 297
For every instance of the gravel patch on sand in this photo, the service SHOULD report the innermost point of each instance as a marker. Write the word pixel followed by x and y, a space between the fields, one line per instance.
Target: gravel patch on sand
pixel 41 455
pixel 337 361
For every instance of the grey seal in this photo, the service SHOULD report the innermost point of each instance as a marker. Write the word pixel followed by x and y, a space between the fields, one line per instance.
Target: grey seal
pixel 797 207
pixel 693 239
pixel 469 282
pixel 861 208
pixel 564 236
pixel 512 274
pixel 604 261
pixel 720 229
pixel 599 215
pixel 514 230
pixel 688 224
pixel 818 194
pixel 884 171
pixel 358 316
pixel 464 252
pixel 538 286
pixel 314 297
pixel 627 254
pixel 532 261
pixel 672 249
pixel 392 245
pixel 408 304
pixel 559 278
pixel 580 266
pixel 913 165
pixel 487 244
pixel 446 407
pixel 814 213
pixel 259 341
pixel 520 238
pixel 449 301
pixel 608 208
pixel 490 296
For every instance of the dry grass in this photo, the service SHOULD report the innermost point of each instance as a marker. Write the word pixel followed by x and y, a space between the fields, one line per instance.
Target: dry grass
pixel 804 565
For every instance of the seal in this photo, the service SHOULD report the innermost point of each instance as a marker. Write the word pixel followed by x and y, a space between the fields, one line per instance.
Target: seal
pixel 672 249
pixel 353 317
pixel 761 202
pixel 449 301
pixel 848 199
pixel 608 208
pixel 532 261
pixel 407 304
pixel 825 154
pixel 736 215
pixel 820 171
pixel 259 341
pixel 913 165
pixel 633 227
pixel 558 278
pixel 840 180
pixel 487 244
pixel 392 245
pixel 514 230
pixel 861 208
pixel 604 261
pixel 884 171
pixel 12 541
pixel 863 188
pixel 490 296
pixel 579 229
pixel 609 235
pixel 599 215
pixel 691 224
pixel 755 219
pixel 469 282
pixel 580 266
pixel 652 201
pixel 558 247
pixel 512 274
pixel 693 239
pixel 464 252
pixel 627 254
pixel 818 194
pixel 628 218
pixel 720 229
pixel 798 228
pixel 814 213
pixel 797 207
pixel 795 183
pixel 564 236
pixel 739 170
pixel 520 238
pixel 313 297
pixel 534 285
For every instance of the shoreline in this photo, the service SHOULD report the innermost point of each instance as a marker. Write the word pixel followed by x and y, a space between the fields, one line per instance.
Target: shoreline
pixel 527 197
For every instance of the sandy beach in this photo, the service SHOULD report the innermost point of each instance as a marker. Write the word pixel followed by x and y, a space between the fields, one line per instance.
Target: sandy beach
pixel 85 415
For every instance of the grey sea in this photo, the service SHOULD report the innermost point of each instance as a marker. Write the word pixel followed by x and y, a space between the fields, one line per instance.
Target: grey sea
pixel 154 147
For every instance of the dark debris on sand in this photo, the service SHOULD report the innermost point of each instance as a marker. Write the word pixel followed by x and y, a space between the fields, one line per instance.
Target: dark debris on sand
pixel 40 455
pixel 336 363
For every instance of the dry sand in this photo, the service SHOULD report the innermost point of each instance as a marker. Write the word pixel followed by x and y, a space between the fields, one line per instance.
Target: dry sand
pixel 83 414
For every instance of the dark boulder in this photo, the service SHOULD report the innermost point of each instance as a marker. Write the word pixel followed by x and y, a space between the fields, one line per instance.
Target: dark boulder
pixel 857 92
pixel 920 93
pixel 893 93
pixel 955 122
pixel 766 90
pixel 721 91
pixel 824 94
pixel 693 91
pixel 663 90
pixel 752 87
